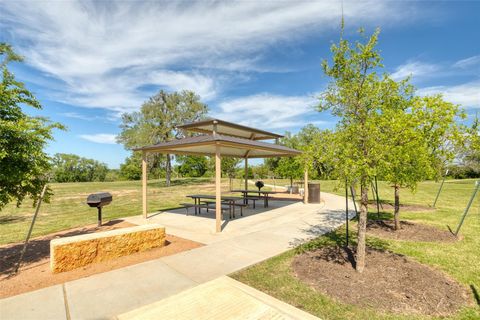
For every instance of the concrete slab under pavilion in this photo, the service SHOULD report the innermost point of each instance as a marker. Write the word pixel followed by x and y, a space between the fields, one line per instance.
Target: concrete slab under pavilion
pixel 219 139
pixel 283 213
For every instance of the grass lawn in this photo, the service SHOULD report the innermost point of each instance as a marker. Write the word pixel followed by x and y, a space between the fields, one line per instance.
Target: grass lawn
pixel 460 260
pixel 68 208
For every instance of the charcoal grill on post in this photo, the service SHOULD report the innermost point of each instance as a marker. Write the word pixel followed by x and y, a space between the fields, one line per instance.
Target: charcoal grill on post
pixel 99 200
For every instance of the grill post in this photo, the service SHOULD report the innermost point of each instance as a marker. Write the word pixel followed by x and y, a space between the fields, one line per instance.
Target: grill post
pixel 98 200
pixel 99 216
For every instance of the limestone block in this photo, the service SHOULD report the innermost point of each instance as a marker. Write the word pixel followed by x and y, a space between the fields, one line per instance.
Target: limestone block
pixel 73 252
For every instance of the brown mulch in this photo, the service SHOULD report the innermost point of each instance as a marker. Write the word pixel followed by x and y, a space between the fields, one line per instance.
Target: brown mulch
pixel 385 206
pixel 409 231
pixel 390 282
pixel 35 270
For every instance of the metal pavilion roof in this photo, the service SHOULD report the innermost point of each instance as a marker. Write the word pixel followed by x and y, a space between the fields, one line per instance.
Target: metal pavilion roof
pixel 230 147
pixel 229 128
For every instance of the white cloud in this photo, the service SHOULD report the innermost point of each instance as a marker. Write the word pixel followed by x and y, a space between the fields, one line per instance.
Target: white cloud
pixel 467 95
pixel 269 111
pixel 469 63
pixel 105 138
pixel 416 70
pixel 106 53
pixel 75 115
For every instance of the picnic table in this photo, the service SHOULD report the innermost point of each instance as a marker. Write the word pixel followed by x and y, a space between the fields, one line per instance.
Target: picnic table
pixel 264 194
pixel 230 200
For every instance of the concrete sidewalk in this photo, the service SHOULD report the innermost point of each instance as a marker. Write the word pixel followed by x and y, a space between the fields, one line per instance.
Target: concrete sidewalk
pixel 248 241
pixel 222 298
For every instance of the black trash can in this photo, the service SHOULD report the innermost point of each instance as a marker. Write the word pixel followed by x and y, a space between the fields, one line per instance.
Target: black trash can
pixel 314 193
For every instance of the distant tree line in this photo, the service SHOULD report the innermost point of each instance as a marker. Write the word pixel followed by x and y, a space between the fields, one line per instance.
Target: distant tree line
pixel 73 168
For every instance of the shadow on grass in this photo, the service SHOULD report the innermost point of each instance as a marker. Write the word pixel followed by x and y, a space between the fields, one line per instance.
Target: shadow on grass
pixel 476 296
pixel 180 182
pixel 12 219
pixel 382 216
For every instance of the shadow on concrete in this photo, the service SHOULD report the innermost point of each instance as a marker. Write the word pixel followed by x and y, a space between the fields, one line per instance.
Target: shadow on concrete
pixel 247 212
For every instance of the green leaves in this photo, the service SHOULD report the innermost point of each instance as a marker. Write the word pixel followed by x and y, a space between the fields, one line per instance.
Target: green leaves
pixel 24 165
pixel 156 122
pixel 72 168
pixel 158 117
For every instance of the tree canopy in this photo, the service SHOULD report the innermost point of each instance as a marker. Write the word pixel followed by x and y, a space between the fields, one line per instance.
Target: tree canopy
pixel 157 120
pixel 23 161
pixel 354 95
pixel 192 166
pixel 73 168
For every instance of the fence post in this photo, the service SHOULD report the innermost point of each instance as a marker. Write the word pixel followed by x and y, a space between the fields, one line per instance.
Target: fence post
pixel 477 186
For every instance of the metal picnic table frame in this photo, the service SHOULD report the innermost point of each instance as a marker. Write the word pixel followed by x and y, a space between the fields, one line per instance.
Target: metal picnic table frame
pixel 265 195
pixel 230 199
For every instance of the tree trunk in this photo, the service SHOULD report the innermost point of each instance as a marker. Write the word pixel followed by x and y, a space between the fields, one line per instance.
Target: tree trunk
pixel 291 185
pixel 362 226
pixel 396 215
pixel 168 173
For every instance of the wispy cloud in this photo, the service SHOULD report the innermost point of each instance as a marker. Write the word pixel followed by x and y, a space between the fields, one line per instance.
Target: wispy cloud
pixel 269 111
pixel 105 138
pixel 466 95
pixel 86 117
pixel 416 70
pixel 470 62
pixel 420 70
pixel 105 54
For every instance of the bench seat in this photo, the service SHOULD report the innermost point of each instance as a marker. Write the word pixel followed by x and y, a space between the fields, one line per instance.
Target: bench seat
pixel 252 198
pixel 204 206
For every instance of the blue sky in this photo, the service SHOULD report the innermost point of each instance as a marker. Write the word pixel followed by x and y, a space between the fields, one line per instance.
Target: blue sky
pixel 255 63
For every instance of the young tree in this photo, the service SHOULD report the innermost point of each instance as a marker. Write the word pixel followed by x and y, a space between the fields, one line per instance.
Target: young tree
pixel 470 152
pixel 290 167
pixel 419 135
pixel 406 160
pixel 318 150
pixel 440 130
pixel 23 162
pixel 157 120
pixel 353 95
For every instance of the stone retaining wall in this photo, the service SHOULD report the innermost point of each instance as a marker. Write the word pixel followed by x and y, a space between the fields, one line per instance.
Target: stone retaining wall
pixel 73 252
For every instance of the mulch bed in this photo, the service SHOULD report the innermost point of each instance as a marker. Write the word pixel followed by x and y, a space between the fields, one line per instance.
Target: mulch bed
pixel 389 283
pixel 35 270
pixel 386 206
pixel 409 231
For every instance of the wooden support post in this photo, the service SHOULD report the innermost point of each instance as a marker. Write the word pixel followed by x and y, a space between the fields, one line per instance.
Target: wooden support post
pixel 305 187
pixel 246 173
pixel 218 195
pixel 144 184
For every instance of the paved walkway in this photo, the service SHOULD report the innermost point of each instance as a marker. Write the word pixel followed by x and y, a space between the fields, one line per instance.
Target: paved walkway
pixel 222 298
pixel 244 242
